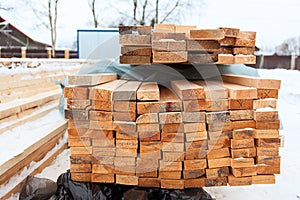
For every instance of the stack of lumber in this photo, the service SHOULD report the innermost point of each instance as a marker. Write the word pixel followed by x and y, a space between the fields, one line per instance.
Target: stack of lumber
pixel 184 135
pixel 135 44
pixel 187 44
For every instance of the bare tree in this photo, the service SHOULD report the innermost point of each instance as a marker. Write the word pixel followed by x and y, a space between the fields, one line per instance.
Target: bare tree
pixel 290 46
pixel 47 15
pixel 92 4
pixel 134 11
pixel 53 23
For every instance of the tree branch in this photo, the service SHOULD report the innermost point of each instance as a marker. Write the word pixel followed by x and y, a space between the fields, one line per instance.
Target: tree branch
pixel 170 12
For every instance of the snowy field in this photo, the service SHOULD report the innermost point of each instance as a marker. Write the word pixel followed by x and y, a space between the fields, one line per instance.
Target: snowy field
pixel 287 186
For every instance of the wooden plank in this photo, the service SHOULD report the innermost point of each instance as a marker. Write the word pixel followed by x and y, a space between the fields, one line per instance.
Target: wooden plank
pixel 228 41
pixel 220 181
pixel 208 105
pixel 242 181
pixel 83 159
pixel 196 136
pixel 268 142
pixel 265 103
pixel 142 30
pixel 251 35
pixel 203 45
pixel 195 164
pixel 126 91
pixel 82 142
pixel 194 173
pixel 103 178
pixel 156 36
pixel 240 104
pixel 243 124
pixel 75 92
pixel 242 162
pixel 91 79
pixel 267 93
pixel 243 50
pixel 173 156
pixel 243 153
pixel 230 32
pixel 170 118
pixel 172 137
pixel 194 183
pixel 125 127
pixel 213 89
pixel 271 124
pixel 241 42
pixel 219 143
pixel 267 133
pixel 146 174
pixel 268 169
pixel 191 117
pixel 218 153
pixel 243 143
pixel 225 59
pixel 170 166
pixel 33 153
pixel 127 180
pixel 168 45
pixel 76 114
pixel 81 150
pixel 217 172
pixel 152 146
pixel 213 117
pixel 84 168
pixel 187 90
pixel 172 184
pixel 124 106
pixel 267 151
pixel 126 144
pixel 148 91
pixel 214 135
pixel 176 175
pixel 184 29
pixel 172 128
pixel 102 105
pixel 136 51
pixel 103 143
pixel 104 92
pixel 135 40
pixel 100 115
pixel 240 134
pixel 149 182
pixel 195 154
pixel 165 28
pixel 240 91
pixel 170 57
pixel 219 162
pixel 196 145
pixel 169 102
pixel 125 116
pixel 194 127
pixel 81 177
pixel 265 115
pixel 135 60
pixel 202 57
pixel 244 171
pixel 263 179
pixel 237 115
pixel 126 152
pixel 124 161
pixel 78 104
pixel 207 34
pixel 149 136
pixel 101 125
pixel 226 50
pixel 150 164
pixel 256 82
pixel 173 146
pixel 148 127
pixel 221 126
pixel 149 118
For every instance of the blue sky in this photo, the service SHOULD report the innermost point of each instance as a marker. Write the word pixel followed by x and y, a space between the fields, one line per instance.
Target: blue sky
pixel 274 20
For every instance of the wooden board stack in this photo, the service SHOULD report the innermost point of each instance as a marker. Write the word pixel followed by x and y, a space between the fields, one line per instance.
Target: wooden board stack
pixel 190 135
pixel 135 44
pixel 186 44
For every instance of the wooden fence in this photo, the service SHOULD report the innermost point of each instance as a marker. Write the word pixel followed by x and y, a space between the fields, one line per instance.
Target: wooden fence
pixel 36 53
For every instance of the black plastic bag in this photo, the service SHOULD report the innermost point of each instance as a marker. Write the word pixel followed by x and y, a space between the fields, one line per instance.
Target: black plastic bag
pixel 37 188
pixel 71 190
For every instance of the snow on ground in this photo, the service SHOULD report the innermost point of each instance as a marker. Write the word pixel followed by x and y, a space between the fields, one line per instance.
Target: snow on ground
pixel 287 186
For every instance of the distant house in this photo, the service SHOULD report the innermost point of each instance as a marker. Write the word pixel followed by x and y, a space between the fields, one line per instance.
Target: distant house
pixel 11 37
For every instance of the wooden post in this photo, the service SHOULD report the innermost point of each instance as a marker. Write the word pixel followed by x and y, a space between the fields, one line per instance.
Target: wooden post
pixel 23 52
pixel 0 52
pixel 67 54
pixel 49 52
